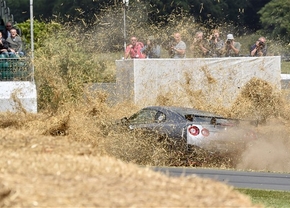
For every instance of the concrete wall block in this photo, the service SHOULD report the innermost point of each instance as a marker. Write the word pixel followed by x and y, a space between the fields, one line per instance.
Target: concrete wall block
pixel 218 80
pixel 17 96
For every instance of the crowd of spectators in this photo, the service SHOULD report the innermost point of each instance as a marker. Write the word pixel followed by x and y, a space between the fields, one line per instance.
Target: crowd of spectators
pixel 200 47
pixel 10 41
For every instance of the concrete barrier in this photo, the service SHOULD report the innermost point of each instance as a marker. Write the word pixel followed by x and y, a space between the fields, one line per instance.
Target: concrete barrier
pixel 18 96
pixel 218 80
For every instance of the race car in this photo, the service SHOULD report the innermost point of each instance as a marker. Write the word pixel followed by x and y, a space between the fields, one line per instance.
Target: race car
pixel 195 127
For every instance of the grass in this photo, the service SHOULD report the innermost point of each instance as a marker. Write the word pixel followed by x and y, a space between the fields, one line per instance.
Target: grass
pixel 274 199
pixel 285 67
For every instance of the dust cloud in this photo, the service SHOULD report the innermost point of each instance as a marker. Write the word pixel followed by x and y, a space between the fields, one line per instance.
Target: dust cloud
pixel 270 152
pixel 262 142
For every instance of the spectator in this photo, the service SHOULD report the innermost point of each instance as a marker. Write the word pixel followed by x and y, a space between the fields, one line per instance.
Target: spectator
pixel 3 46
pixel 14 44
pixel 169 44
pixel 151 49
pixel 231 47
pixel 259 48
pixel 6 31
pixel 179 48
pixel 200 46
pixel 134 49
pixel 216 44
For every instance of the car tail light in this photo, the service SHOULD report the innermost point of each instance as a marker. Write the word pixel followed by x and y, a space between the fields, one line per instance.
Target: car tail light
pixel 193 130
pixel 205 132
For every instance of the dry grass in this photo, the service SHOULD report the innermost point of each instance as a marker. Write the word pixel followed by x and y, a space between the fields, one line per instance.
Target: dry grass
pixel 70 160
pixel 75 157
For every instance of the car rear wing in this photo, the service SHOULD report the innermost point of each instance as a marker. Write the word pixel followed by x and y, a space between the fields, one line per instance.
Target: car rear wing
pixel 213 120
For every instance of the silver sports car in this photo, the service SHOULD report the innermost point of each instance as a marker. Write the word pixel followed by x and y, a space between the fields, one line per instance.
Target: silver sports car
pixel 195 127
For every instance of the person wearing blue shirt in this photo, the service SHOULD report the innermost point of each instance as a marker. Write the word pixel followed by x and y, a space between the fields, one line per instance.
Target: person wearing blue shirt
pixel 151 49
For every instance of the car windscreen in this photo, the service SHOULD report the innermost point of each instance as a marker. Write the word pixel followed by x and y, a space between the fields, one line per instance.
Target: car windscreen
pixel 146 116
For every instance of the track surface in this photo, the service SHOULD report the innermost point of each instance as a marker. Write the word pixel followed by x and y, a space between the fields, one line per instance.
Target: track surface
pixel 238 179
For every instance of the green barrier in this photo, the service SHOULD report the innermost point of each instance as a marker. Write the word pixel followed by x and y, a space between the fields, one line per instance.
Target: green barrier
pixel 4 55
pixel 13 69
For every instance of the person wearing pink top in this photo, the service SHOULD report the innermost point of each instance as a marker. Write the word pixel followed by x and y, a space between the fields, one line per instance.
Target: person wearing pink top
pixel 133 50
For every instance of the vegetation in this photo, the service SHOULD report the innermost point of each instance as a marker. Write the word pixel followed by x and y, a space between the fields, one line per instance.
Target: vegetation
pixel 285 67
pixel 65 63
pixel 274 18
pixel 41 31
pixel 274 199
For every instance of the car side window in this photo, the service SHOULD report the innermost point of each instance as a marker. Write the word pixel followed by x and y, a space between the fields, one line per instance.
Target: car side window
pixel 160 117
pixel 144 116
pixel 189 117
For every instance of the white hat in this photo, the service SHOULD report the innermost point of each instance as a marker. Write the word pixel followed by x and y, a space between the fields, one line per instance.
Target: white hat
pixel 230 37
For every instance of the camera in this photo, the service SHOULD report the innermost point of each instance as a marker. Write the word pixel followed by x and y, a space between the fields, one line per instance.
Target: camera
pixel 229 42
pixel 170 49
pixel 261 44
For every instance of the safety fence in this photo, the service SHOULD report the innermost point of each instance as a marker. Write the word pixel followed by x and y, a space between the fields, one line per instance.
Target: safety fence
pixel 15 69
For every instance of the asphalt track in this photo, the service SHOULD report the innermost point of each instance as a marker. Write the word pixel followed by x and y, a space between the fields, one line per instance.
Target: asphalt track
pixel 238 179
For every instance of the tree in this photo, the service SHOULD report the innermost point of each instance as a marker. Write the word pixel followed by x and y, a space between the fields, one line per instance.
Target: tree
pixel 242 12
pixel 275 18
pixel 251 16
pixel 42 9
pixel 84 10
pixel 19 9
